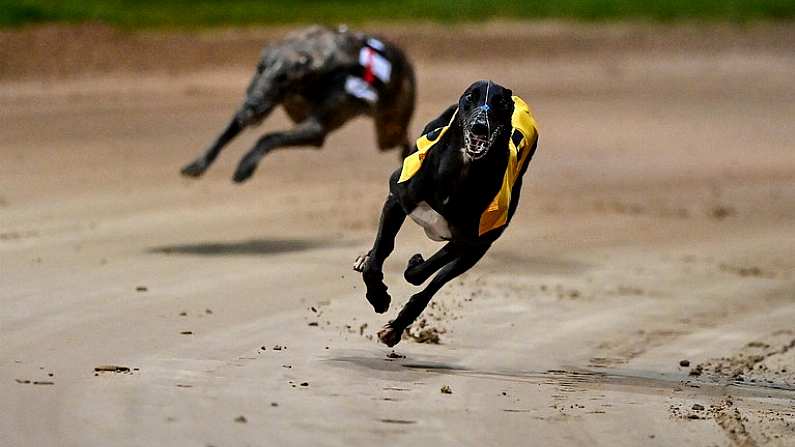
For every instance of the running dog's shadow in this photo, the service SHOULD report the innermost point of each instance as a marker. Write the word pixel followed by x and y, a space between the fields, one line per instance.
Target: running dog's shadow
pixel 250 247
pixel 567 379
pixel 391 368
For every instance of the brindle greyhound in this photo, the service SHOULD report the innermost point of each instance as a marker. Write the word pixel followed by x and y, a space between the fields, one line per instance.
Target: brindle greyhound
pixel 462 184
pixel 323 78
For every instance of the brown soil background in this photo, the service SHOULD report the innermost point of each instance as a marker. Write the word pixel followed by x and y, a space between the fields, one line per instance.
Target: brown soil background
pixel 657 225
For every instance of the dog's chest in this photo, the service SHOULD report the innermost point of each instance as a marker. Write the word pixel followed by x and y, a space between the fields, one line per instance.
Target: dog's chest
pixel 434 224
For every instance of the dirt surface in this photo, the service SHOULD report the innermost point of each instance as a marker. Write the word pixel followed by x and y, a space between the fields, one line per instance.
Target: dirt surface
pixel 657 225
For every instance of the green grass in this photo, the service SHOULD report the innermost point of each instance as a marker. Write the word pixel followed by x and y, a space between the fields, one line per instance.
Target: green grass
pixel 203 13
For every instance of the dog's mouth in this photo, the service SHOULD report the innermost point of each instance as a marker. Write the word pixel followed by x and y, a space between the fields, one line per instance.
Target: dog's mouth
pixel 478 139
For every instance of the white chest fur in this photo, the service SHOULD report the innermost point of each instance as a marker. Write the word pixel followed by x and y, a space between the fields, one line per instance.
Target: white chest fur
pixel 436 227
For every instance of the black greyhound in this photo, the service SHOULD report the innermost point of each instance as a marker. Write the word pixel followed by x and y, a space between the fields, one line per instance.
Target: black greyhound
pixel 323 78
pixel 462 185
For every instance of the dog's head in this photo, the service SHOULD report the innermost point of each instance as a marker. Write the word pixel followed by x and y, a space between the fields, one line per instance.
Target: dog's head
pixel 484 111
pixel 276 73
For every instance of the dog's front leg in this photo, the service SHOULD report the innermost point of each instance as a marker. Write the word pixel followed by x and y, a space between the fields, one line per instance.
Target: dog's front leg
pixel 310 132
pixel 198 166
pixel 371 264
pixel 391 332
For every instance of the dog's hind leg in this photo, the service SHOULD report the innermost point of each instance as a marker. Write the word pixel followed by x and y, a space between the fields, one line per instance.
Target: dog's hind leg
pixel 371 264
pixel 198 166
pixel 419 270
pixel 327 114
pixel 310 132
pixel 391 332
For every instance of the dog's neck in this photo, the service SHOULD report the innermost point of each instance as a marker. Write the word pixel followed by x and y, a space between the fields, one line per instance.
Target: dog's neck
pixel 474 182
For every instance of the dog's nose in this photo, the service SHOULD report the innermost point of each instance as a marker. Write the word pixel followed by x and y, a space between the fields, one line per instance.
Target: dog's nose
pixel 480 129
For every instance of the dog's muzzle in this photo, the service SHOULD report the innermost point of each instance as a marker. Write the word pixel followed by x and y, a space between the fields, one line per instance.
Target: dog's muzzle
pixel 253 112
pixel 478 135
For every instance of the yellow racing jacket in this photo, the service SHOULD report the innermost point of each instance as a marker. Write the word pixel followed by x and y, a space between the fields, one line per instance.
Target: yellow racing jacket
pixel 519 149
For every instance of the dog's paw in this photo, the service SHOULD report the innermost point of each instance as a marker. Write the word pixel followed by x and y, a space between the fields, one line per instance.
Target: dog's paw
pixel 377 296
pixel 415 260
pixel 379 299
pixel 195 169
pixel 376 293
pixel 244 171
pixel 409 273
pixel 246 168
pixel 389 335
pixel 360 263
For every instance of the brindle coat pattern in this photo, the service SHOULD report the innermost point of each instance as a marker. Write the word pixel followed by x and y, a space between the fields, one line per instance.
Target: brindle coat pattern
pixel 458 187
pixel 305 73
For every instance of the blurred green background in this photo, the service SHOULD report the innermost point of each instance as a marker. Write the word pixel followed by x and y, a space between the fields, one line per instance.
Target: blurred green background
pixel 203 13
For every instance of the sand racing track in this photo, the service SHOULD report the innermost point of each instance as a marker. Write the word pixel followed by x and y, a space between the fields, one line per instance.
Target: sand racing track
pixel 644 294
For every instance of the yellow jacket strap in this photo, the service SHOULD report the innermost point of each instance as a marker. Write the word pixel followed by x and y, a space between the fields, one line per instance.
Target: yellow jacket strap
pixel 412 163
pixel 519 146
